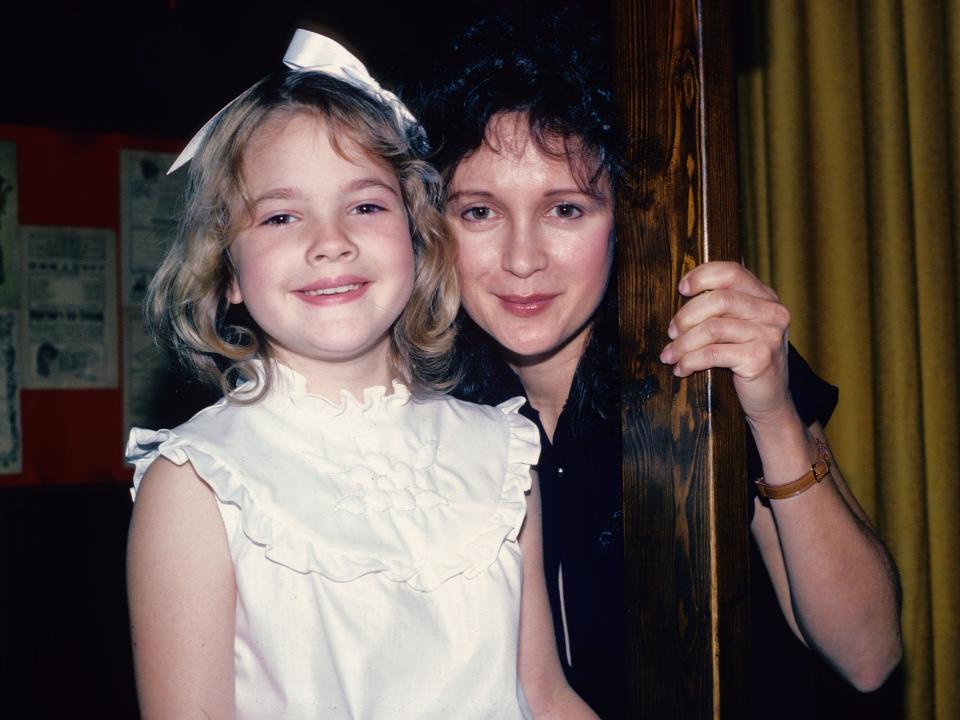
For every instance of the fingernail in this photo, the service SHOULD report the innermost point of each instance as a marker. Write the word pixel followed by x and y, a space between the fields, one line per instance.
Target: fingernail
pixel 672 331
pixel 666 356
pixel 684 287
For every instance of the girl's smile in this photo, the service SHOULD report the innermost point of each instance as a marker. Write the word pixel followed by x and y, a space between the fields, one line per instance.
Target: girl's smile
pixel 336 290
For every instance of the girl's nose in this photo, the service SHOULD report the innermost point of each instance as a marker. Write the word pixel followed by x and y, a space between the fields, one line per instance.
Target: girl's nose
pixel 330 242
pixel 524 250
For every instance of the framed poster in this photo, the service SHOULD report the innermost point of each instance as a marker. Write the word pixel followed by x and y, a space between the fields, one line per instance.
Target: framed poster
pixel 149 213
pixel 69 308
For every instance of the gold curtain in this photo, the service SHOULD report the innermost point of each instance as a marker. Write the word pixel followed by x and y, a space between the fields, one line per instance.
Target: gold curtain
pixel 850 143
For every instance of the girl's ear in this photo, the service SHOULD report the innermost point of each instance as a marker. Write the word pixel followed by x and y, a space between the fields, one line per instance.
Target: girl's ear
pixel 234 296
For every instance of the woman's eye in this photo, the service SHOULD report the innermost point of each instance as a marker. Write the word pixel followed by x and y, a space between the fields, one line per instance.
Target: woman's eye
pixel 566 211
pixel 478 213
pixel 280 219
pixel 367 209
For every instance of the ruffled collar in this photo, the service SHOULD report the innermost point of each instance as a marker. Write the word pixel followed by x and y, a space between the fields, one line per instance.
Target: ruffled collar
pixel 290 385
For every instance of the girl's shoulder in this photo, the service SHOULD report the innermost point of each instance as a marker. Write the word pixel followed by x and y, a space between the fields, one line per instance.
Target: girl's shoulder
pixel 519 441
pixel 470 411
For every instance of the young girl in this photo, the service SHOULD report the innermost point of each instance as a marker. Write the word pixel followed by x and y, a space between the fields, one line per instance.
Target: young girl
pixel 334 538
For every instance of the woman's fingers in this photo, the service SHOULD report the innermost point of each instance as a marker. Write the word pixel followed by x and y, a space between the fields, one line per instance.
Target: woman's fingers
pixel 746 360
pixel 745 347
pixel 733 321
pixel 721 274
pixel 758 365
pixel 728 303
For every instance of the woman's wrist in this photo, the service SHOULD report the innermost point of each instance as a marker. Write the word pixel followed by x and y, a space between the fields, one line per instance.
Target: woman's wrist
pixel 818 471
pixel 786 446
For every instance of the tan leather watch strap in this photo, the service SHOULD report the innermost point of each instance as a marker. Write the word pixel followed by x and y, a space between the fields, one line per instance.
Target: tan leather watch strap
pixel 817 472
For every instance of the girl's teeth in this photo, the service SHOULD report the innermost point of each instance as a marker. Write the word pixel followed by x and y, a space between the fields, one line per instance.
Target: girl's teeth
pixel 333 291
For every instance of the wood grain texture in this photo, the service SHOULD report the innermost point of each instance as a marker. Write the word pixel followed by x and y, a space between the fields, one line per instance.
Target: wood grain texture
pixel 684 479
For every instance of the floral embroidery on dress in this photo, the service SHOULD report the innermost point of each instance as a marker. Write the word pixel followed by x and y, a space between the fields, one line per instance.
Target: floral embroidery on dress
pixel 382 483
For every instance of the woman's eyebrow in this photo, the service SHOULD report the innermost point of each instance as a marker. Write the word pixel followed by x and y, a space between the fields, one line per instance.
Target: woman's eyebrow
pixel 566 191
pixel 595 195
pixel 573 190
pixel 472 193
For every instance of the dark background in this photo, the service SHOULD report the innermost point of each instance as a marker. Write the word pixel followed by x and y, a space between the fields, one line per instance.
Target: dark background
pixel 162 67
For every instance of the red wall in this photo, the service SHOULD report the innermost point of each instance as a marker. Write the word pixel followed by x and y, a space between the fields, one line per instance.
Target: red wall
pixel 73 179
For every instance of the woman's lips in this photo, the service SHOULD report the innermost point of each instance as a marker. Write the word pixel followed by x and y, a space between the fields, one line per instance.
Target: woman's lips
pixel 333 291
pixel 525 305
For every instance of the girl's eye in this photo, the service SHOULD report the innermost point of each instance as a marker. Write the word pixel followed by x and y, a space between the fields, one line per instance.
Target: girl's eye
pixel 280 219
pixel 566 211
pixel 477 213
pixel 367 209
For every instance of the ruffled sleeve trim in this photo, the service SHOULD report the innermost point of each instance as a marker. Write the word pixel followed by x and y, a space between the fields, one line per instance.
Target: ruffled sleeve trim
pixel 287 546
pixel 523 451
pixel 280 543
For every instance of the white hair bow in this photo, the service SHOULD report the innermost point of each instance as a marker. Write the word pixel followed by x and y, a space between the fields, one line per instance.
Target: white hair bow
pixel 315 53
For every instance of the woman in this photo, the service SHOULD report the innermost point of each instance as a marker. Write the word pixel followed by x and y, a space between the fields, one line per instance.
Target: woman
pixel 522 119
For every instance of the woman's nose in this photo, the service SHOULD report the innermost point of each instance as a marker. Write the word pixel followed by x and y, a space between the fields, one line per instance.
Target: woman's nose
pixel 524 250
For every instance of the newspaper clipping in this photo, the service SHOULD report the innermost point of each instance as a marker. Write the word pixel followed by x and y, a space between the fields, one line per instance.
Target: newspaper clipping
pixel 69 313
pixel 149 208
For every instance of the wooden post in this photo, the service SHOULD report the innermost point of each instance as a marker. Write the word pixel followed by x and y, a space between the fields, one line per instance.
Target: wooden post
pixel 683 453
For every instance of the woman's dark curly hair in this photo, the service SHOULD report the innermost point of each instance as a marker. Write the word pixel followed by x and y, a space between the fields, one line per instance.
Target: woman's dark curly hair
pixel 553 67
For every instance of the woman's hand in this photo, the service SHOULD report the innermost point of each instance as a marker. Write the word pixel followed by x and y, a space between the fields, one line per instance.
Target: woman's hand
pixel 734 321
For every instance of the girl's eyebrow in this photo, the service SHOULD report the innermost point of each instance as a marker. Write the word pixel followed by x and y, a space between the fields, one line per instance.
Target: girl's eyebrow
pixel 366 182
pixel 292 193
pixel 282 193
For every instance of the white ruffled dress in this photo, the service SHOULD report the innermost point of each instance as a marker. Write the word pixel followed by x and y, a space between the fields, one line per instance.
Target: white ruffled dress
pixel 375 549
